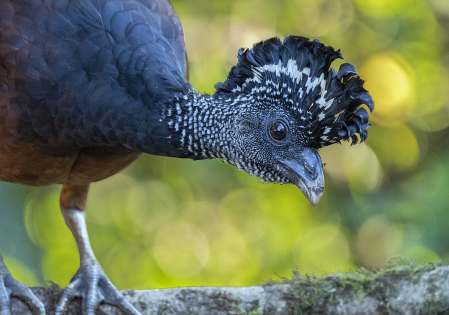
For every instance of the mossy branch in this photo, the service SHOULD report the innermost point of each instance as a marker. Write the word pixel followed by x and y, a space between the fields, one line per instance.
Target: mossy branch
pixel 399 289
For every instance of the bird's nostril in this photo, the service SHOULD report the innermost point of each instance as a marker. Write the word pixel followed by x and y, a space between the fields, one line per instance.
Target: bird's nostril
pixel 310 170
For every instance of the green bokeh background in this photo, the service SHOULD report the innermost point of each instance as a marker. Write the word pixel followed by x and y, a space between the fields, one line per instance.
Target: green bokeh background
pixel 165 222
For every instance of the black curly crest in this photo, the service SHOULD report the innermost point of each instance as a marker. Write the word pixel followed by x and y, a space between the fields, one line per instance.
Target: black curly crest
pixel 296 73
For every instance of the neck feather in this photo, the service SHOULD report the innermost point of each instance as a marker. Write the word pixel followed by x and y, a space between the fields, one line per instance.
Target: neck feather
pixel 204 128
pixel 202 124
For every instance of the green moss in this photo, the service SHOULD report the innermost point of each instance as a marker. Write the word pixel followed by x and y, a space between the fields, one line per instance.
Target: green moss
pixel 217 302
pixel 307 292
pixel 53 286
pixel 253 309
pixel 224 301
pixel 386 279
pixel 55 289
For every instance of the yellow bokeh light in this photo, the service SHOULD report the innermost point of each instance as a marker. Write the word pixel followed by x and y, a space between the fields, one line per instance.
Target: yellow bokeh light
pixel 228 253
pixel 180 249
pixel 441 5
pixel 362 168
pixel 43 211
pixel 379 8
pixel 323 249
pixel 421 254
pixel 378 241
pixel 148 206
pixel 60 263
pixel 357 164
pixel 237 205
pixel 19 271
pixel 389 81
pixel 396 146
pixel 106 199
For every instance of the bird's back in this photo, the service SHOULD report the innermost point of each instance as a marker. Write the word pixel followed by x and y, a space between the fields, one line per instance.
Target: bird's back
pixel 75 77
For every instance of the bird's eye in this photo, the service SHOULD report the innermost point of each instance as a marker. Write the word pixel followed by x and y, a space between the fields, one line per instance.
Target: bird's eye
pixel 278 131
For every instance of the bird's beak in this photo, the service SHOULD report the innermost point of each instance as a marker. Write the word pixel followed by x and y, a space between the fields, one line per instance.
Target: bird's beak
pixel 306 172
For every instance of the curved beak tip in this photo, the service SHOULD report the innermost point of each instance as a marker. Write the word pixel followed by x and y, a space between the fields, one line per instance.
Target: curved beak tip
pixel 306 172
pixel 315 195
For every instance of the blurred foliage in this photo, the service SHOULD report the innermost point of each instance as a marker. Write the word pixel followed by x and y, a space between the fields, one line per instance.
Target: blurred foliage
pixel 167 222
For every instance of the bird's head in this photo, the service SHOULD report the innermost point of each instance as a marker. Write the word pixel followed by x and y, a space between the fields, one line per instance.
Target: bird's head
pixel 290 104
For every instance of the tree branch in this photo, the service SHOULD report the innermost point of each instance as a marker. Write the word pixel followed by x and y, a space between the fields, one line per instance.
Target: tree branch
pixel 406 289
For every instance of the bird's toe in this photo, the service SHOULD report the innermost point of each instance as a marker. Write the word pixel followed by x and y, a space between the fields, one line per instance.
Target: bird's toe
pixel 92 285
pixel 10 287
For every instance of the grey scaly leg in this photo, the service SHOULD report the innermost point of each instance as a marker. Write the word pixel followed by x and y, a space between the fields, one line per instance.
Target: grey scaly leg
pixel 90 282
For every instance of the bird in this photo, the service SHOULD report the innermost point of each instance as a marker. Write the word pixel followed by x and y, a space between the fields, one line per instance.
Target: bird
pixel 87 86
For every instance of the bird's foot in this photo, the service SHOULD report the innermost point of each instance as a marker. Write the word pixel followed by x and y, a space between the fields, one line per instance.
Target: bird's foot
pixel 11 287
pixel 92 285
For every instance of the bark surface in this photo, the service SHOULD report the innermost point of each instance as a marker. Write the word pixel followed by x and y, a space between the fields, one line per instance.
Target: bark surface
pixel 405 289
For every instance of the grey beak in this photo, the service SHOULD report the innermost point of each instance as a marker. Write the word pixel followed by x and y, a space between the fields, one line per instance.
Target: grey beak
pixel 306 172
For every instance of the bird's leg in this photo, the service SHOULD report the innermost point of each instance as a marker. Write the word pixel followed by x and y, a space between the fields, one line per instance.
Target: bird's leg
pixel 11 287
pixel 90 282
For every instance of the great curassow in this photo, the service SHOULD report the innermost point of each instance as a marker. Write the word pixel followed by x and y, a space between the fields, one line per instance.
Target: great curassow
pixel 88 85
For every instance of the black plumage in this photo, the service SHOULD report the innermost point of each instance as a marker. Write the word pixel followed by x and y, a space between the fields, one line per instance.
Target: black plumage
pixel 88 85
pixel 344 87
